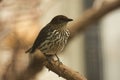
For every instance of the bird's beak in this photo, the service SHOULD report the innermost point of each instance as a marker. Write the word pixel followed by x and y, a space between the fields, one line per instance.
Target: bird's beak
pixel 70 20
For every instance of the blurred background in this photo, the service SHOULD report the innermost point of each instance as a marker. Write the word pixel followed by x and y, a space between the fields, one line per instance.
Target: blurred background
pixel 94 53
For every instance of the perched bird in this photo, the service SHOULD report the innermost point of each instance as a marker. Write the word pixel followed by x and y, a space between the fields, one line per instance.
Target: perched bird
pixel 53 37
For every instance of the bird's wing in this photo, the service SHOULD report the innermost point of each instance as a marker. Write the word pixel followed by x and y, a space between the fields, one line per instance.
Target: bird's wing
pixel 41 37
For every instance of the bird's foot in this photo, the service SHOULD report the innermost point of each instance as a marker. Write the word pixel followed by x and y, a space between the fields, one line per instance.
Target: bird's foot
pixel 58 60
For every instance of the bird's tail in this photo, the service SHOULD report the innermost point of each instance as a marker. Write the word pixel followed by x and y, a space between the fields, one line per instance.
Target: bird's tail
pixel 29 51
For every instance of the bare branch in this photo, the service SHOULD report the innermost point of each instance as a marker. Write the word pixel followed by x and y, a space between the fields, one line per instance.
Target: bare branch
pixel 92 15
pixel 64 71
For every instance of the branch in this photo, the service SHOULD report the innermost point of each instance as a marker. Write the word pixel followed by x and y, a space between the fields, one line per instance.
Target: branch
pixel 92 15
pixel 64 71
pixel 37 63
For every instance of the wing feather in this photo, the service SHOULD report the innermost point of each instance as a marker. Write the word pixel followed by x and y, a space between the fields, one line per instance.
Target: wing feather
pixel 43 34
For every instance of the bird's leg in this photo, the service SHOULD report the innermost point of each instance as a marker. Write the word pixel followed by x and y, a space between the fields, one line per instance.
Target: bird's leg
pixel 59 62
pixel 58 59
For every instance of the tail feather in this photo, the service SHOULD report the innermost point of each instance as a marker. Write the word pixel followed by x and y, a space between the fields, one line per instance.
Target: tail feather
pixel 29 50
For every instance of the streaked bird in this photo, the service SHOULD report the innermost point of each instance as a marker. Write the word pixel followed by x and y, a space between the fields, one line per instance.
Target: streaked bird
pixel 53 37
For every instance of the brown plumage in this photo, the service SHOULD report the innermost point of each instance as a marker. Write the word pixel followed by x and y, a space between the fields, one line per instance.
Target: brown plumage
pixel 53 37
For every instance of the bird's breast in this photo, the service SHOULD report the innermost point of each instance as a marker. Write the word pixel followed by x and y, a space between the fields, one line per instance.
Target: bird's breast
pixel 55 42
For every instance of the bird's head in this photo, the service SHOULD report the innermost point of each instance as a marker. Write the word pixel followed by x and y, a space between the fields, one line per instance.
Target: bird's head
pixel 60 19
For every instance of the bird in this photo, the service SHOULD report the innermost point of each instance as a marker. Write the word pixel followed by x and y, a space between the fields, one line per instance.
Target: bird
pixel 53 37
